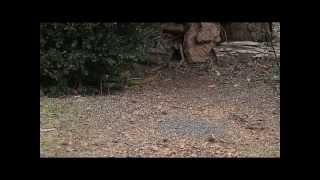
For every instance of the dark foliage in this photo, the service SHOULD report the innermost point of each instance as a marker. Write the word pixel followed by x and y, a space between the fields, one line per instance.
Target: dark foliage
pixel 89 56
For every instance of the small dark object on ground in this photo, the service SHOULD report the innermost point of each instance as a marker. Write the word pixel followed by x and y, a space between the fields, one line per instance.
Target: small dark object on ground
pixel 134 101
pixel 211 139
pixel 164 112
pixel 165 140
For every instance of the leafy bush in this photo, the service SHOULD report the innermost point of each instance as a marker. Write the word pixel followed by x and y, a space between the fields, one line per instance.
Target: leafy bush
pixel 75 55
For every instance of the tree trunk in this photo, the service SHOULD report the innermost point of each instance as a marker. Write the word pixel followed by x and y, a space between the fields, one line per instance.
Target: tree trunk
pixel 197 39
pixel 258 32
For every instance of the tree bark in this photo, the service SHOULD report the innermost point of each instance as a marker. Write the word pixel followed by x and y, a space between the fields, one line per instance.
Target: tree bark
pixel 258 32
pixel 199 39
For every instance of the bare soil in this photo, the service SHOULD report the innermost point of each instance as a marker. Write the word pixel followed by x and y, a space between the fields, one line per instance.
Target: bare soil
pixel 178 114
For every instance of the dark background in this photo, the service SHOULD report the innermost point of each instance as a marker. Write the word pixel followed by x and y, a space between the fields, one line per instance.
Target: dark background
pixel 23 85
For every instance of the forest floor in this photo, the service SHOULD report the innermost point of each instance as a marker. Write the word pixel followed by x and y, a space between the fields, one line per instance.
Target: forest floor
pixel 178 114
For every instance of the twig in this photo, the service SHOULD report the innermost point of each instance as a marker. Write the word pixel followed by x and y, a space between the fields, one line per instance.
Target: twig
pixel 156 69
pixel 182 56
pixel 181 52
pixel 225 33
pixel 47 130
pixel 177 107
pixel 270 39
pixel 201 107
pixel 219 139
pixel 139 129
pixel 263 66
pixel 100 87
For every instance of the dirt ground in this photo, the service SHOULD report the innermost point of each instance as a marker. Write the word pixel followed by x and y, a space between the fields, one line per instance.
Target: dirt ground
pixel 179 114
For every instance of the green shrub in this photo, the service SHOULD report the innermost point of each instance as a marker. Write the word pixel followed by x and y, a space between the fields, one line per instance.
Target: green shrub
pixel 74 55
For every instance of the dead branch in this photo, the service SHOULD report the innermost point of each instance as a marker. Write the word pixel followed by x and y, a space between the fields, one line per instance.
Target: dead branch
pixel 47 130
